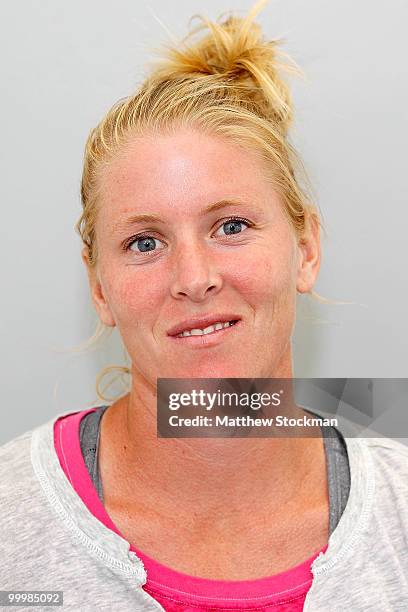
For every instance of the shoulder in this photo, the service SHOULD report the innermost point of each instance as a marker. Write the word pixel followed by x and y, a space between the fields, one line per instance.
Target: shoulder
pixel 15 459
pixel 387 462
pixel 388 454
pixel 18 479
pixel 18 482
pixel 20 457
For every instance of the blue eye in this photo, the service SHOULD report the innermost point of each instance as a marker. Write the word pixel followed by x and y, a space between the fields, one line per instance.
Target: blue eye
pixel 234 225
pixel 144 244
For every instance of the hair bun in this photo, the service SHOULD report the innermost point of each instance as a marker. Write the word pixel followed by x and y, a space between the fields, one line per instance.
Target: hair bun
pixel 235 52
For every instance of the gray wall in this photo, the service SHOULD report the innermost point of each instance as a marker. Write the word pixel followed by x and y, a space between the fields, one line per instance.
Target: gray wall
pixel 63 65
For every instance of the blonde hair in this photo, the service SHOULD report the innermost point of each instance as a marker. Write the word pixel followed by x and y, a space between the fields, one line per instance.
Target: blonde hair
pixel 228 82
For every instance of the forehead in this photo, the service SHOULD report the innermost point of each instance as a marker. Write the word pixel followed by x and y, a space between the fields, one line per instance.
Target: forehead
pixel 179 173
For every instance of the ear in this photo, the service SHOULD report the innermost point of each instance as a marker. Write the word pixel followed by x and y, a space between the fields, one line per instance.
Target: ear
pixel 309 257
pixel 98 297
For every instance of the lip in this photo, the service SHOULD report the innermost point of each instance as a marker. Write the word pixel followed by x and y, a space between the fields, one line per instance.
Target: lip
pixel 207 340
pixel 201 323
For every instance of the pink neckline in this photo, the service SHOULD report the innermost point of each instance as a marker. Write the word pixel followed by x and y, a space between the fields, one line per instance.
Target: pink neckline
pixel 295 580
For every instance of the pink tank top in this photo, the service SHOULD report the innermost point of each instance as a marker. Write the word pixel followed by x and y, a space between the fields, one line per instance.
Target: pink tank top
pixel 175 591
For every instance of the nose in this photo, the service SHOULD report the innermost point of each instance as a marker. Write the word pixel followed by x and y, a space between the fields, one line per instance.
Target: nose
pixel 195 275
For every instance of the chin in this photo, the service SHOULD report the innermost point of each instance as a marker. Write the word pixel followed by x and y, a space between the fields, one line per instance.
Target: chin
pixel 217 371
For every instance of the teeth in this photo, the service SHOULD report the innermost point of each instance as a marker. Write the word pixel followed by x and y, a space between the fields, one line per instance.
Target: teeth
pixel 207 330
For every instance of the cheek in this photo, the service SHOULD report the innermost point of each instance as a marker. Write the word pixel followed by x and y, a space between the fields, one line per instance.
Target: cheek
pixel 131 292
pixel 269 275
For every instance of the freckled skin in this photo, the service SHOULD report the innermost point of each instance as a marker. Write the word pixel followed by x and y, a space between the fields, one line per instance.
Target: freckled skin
pixel 196 267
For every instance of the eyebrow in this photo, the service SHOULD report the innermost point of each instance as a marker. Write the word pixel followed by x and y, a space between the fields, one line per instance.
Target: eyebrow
pixel 144 218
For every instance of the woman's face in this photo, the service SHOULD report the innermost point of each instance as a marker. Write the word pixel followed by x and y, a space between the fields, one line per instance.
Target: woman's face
pixel 193 262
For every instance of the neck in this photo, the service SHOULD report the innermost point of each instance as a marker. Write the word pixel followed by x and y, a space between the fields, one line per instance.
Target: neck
pixel 203 475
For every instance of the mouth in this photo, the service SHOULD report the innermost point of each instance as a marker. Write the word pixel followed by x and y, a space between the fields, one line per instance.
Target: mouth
pixel 209 335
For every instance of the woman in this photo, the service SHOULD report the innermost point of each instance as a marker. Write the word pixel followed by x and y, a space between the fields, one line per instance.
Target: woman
pixel 193 217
